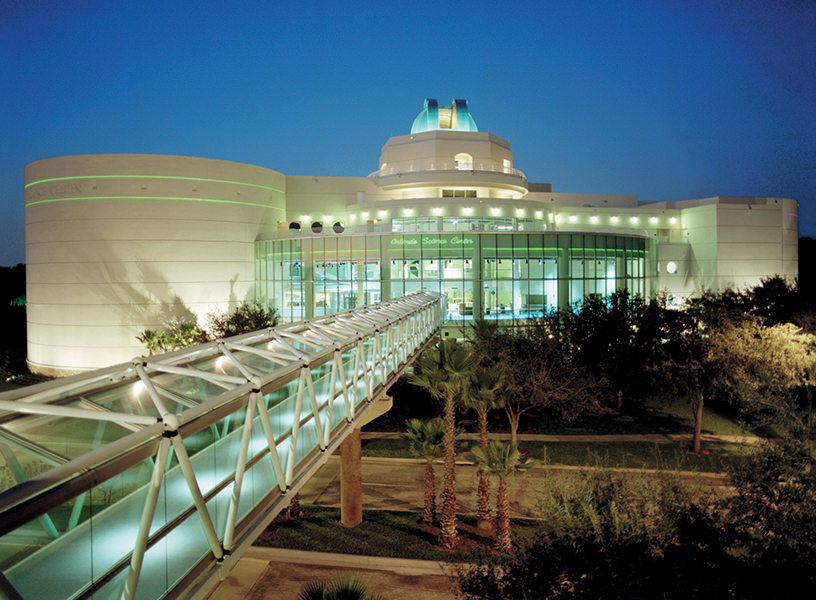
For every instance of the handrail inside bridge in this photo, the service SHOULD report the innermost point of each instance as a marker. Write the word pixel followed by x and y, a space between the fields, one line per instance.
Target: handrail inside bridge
pixel 148 480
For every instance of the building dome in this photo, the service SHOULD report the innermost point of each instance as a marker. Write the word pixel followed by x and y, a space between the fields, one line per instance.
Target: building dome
pixel 433 118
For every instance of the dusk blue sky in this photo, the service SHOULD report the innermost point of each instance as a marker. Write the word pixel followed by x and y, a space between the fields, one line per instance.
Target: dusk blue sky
pixel 669 100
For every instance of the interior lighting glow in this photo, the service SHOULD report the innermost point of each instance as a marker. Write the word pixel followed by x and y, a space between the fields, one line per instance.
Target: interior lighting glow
pixel 573 218
pixel 382 213
pixel 327 217
pixel 673 220
pixel 352 216
pixel 538 214
pixel 557 218
pixel 437 211
pixel 467 210
pixel 494 211
pixel 634 219
pixel 653 219
pixel 365 215
pixel 594 218
pixel 304 218
pixel 520 212
pixel 614 219
pixel 409 211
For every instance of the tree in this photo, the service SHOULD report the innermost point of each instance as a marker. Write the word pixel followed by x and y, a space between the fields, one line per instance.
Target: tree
pixel 350 587
pixel 425 438
pixel 445 371
pixel 249 316
pixel 538 374
pixel 482 397
pixel 502 461
pixel 686 367
pixel 610 338
pixel 770 372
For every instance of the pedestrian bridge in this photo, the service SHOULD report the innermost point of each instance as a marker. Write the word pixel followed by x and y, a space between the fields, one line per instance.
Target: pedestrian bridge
pixel 148 480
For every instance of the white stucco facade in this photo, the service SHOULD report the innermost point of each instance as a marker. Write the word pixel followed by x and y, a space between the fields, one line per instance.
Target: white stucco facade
pixel 116 244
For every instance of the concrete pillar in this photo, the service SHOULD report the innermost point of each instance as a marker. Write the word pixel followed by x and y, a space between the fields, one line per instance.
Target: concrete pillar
pixel 351 480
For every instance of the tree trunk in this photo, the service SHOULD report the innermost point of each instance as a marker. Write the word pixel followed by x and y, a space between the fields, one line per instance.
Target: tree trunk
pixel 697 407
pixel 448 524
pixel 430 494
pixel 620 400
pixel 514 419
pixel 485 521
pixel 504 541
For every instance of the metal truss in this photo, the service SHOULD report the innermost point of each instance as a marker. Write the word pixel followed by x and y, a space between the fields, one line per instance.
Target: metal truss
pixel 227 431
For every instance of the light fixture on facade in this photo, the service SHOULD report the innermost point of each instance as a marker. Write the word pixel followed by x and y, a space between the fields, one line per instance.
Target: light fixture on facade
pixel 594 218
pixel 365 215
pixel 437 211
pixel 520 212
pixel 573 218
pixel 494 211
pixel 382 213
pixel 634 219
pixel 538 214
pixel 653 219
pixel 614 219
pixel 304 218
pixel 409 212
pixel 673 220
pixel 467 210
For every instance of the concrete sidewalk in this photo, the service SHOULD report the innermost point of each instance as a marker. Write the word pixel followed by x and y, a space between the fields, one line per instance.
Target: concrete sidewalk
pixel 267 573
pixel 534 437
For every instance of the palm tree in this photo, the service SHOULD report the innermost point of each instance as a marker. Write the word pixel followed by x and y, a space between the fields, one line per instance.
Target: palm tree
pixel 425 438
pixel 155 340
pixel 351 587
pixel 502 461
pixel 445 372
pixel 482 397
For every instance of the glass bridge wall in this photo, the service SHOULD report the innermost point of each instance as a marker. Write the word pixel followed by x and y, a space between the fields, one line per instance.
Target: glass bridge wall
pixel 504 276
pixel 83 459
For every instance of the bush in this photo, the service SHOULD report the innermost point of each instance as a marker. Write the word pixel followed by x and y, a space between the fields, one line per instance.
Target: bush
pixel 609 535
pixel 249 316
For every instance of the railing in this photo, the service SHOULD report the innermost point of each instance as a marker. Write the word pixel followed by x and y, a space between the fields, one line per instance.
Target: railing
pixel 402 169
pixel 163 471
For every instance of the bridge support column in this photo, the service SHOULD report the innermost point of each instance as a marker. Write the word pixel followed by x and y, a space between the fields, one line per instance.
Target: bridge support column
pixel 351 480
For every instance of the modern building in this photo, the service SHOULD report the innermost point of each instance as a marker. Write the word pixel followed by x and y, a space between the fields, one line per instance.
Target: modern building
pixel 119 243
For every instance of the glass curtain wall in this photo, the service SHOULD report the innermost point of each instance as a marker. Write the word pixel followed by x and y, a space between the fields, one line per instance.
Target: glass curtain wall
pixel 501 276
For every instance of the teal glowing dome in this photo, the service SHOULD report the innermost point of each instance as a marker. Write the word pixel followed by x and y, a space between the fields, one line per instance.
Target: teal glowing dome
pixel 455 118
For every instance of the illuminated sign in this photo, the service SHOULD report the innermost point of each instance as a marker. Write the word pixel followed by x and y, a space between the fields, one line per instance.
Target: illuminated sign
pixel 427 240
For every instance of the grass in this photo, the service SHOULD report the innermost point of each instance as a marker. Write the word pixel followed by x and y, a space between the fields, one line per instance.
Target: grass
pixel 650 416
pixel 633 455
pixel 394 534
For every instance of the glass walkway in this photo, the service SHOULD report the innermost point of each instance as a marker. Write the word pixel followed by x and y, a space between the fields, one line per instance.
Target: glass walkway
pixel 148 480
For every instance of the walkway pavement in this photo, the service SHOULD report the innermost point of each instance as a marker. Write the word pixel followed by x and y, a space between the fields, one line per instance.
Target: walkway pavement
pixel 264 573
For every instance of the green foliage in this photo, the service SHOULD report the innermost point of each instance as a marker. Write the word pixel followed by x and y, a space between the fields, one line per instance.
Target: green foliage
pixel 425 438
pixel 539 374
pixel 607 535
pixel 500 460
pixel 347 587
pixel 772 516
pixel 249 316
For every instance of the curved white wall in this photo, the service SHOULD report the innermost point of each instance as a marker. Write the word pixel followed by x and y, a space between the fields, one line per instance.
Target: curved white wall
pixel 119 243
